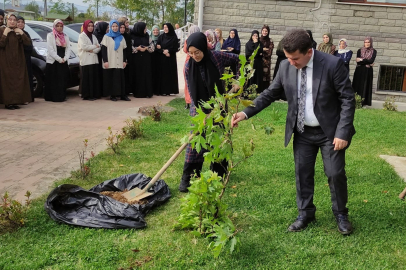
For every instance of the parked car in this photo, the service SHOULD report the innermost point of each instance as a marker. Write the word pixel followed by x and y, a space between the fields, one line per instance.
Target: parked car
pixel 43 28
pixel 75 26
pixel 38 60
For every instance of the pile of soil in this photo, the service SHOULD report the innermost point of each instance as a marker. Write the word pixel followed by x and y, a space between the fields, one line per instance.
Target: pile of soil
pixel 118 196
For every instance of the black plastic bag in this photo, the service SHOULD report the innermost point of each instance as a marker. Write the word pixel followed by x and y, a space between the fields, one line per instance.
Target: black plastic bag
pixel 74 205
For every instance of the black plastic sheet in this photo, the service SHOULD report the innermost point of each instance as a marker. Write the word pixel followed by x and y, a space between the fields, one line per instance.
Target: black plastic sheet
pixel 74 205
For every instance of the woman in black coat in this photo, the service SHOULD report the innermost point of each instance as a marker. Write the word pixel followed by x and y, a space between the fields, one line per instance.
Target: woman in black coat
pixel 250 47
pixel 167 46
pixel 141 61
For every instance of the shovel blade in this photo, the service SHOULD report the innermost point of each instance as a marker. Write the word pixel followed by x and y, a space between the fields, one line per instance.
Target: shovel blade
pixel 136 195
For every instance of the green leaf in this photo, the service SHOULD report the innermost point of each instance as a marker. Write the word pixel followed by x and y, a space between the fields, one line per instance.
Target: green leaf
pixel 233 243
pixel 247 103
pixel 269 130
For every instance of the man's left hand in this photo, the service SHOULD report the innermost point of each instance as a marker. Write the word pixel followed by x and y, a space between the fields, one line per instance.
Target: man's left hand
pixel 339 144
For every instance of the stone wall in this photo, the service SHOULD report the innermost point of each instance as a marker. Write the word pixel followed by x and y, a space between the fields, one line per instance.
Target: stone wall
pixel 387 25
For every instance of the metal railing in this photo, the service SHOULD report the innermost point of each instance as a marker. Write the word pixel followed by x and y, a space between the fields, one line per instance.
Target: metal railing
pixel 392 78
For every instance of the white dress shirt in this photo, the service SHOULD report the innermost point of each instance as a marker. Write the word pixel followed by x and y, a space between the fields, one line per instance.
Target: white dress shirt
pixel 310 118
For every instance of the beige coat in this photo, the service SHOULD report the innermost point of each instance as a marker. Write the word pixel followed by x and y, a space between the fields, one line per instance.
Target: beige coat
pixel 87 50
pixel 52 55
pixel 115 58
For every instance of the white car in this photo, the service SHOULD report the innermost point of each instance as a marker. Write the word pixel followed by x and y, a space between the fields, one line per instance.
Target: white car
pixel 43 28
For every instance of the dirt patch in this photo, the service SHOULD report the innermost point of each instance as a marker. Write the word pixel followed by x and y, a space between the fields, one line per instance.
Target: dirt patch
pixel 118 196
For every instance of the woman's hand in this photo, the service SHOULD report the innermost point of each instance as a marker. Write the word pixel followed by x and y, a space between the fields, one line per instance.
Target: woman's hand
pixel 158 46
pixel 106 65
pixel 6 31
pixel 124 64
pixel 359 59
pixel 19 31
pixel 166 52
pixel 266 49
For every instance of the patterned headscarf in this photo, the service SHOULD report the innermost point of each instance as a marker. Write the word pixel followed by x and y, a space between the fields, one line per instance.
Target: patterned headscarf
pixel 211 34
pixel 116 36
pixel 326 47
pixel 59 37
pixel 154 38
pixel 366 53
pixel 85 25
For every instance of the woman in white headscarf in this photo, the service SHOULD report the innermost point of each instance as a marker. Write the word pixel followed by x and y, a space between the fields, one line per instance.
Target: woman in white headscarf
pixel 344 53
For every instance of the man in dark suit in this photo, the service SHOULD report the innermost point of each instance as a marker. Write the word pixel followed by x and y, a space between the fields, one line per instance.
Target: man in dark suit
pixel 321 109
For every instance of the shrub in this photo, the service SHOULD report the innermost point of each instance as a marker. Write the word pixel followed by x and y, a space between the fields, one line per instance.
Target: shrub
pixel 156 112
pixel 389 104
pixel 133 130
pixel 358 101
pixel 13 213
pixel 84 162
pixel 114 140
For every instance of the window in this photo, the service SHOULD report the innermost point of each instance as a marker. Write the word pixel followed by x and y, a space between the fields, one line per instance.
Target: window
pixel 392 78
pixel 377 2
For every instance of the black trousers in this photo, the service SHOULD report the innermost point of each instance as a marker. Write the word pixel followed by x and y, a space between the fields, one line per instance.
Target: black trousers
pixel 305 148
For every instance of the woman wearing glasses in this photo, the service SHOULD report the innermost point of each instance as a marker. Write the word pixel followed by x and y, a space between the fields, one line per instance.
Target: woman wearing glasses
pixel 203 73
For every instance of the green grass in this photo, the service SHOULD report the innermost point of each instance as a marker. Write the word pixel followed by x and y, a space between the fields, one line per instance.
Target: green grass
pixel 263 209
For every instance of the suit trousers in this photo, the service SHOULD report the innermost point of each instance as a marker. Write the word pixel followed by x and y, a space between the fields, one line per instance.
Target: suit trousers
pixel 305 148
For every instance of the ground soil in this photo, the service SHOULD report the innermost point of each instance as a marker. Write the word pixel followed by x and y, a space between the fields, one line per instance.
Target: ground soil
pixel 118 196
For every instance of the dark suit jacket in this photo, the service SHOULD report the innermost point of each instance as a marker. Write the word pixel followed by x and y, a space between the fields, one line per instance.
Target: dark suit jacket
pixel 333 97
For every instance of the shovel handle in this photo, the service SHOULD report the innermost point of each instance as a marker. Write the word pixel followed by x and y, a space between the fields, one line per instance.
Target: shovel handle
pixel 403 194
pixel 167 164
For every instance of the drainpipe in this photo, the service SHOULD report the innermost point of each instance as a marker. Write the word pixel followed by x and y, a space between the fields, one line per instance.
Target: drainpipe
pixel 200 19
pixel 317 8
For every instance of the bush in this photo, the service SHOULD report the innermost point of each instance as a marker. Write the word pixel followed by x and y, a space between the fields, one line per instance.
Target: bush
pixel 389 104
pixel 358 101
pixel 156 112
pixel 133 130
pixel 12 212
pixel 114 140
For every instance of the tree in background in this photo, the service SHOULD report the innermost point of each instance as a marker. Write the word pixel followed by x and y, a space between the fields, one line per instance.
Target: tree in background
pixel 34 7
pixel 155 11
pixel 96 4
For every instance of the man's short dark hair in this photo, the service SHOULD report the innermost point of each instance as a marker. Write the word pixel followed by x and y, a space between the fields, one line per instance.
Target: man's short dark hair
pixel 297 39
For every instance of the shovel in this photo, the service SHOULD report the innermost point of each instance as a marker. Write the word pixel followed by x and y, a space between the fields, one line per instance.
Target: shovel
pixel 137 194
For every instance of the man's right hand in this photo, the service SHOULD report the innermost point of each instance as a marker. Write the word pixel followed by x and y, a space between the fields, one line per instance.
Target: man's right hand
pixel 106 65
pixel 237 117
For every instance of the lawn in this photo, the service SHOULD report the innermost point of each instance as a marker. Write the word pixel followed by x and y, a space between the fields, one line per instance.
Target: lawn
pixel 262 205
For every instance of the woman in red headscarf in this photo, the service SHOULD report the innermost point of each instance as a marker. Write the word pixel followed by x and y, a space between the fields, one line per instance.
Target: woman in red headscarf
pixel 14 84
pixel 364 74
pixel 57 70
pixel 88 48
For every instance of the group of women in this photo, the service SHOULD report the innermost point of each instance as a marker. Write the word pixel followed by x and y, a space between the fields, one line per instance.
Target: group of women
pixel 363 75
pixel 117 61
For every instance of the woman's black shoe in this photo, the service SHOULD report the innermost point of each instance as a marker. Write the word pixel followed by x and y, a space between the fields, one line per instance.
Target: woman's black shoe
pixel 16 107
pixel 10 107
pixel 125 98
pixel 187 106
pixel 113 99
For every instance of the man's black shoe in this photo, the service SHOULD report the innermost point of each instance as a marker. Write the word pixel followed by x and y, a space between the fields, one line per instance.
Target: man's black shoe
pixel 300 224
pixel 344 225
pixel 125 98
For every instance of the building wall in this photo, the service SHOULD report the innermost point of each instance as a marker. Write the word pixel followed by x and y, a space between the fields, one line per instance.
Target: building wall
pixel 386 25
